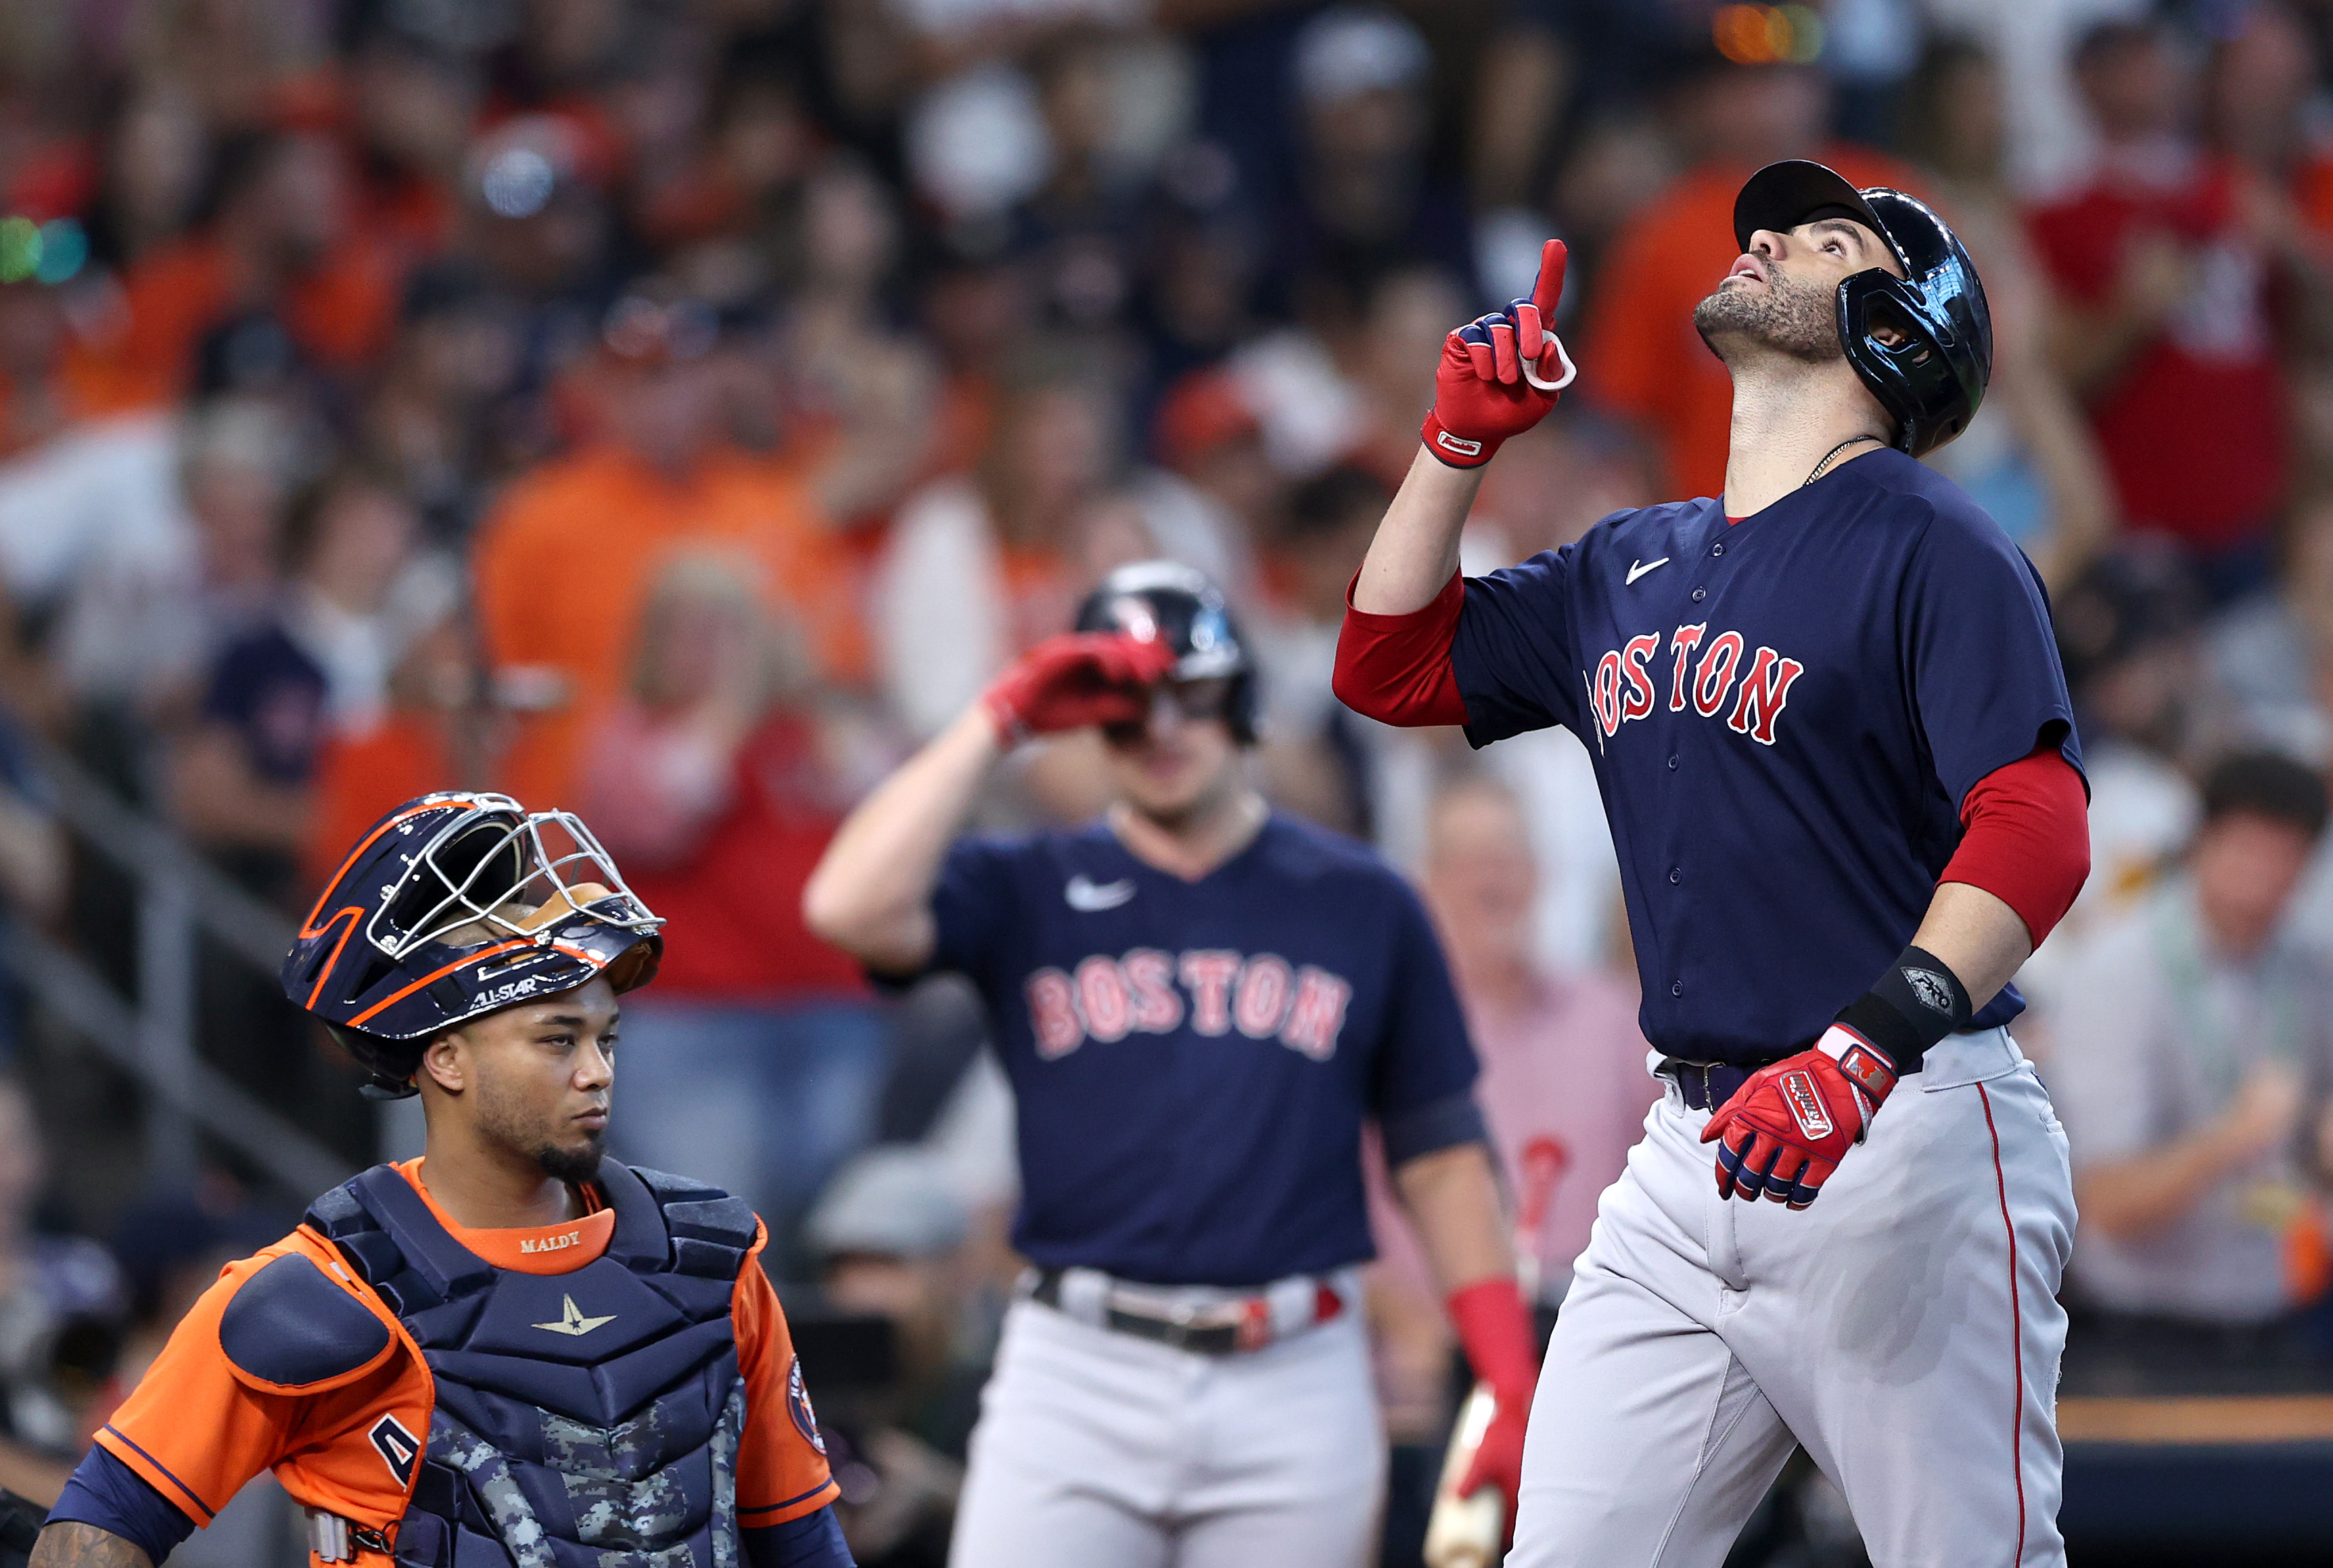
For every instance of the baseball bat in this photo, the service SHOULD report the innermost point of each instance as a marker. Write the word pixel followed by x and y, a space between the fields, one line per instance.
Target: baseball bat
pixel 1469 1531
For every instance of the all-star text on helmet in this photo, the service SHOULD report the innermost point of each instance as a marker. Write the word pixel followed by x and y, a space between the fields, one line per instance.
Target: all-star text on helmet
pixel 457 904
pixel 1180 605
pixel 1932 377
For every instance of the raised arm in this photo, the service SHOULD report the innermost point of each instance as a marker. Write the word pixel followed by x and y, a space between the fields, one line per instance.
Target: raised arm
pixel 1415 551
pixel 871 894
pixel 1499 376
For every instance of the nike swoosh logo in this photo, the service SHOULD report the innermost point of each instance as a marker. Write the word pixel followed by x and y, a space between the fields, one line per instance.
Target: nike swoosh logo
pixel 1637 568
pixel 572 1322
pixel 1088 897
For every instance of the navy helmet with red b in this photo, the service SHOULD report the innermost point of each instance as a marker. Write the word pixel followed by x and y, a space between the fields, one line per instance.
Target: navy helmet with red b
pixel 454 906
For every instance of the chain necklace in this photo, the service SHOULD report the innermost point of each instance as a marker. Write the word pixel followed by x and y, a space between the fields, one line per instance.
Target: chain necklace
pixel 1834 452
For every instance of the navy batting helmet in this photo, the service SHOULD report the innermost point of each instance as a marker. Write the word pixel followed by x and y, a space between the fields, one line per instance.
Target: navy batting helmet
pixel 1178 603
pixel 1931 381
pixel 457 905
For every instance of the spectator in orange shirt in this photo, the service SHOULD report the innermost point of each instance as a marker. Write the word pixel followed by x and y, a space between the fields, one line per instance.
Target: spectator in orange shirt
pixel 275 233
pixel 566 562
pixel 1640 355
pixel 512 1346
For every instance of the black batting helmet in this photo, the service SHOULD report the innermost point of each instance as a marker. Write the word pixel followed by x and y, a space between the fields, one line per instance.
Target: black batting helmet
pixel 1933 380
pixel 1178 603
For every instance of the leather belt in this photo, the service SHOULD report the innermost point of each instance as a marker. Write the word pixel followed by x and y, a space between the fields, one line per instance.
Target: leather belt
pixel 1207 1328
pixel 1706 1085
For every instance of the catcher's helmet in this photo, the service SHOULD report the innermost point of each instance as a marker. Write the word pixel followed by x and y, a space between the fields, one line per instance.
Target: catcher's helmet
pixel 1163 599
pixel 456 904
pixel 1933 382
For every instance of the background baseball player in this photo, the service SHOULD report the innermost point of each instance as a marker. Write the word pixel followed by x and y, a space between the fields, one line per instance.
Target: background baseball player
pixel 1828 720
pixel 512 1350
pixel 1197 1002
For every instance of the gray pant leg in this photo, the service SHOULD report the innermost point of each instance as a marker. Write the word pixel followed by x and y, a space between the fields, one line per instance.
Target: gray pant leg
pixel 1291 1469
pixel 1072 1463
pixel 1649 1445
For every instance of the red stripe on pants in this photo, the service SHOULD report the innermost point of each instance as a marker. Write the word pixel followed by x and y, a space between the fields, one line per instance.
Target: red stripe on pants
pixel 2017 1327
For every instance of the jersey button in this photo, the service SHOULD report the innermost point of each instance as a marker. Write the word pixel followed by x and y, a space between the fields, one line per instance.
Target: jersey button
pixel 1676 988
pixel 1699 594
pixel 1673 762
pixel 1676 876
pixel 1717 550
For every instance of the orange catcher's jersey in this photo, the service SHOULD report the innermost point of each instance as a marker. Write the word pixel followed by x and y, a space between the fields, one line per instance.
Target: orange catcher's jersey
pixel 199 1425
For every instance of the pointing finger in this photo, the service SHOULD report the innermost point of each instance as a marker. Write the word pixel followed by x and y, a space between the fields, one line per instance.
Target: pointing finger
pixel 1549 289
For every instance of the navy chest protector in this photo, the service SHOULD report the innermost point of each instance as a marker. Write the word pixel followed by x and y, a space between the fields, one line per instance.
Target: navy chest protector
pixel 582 1420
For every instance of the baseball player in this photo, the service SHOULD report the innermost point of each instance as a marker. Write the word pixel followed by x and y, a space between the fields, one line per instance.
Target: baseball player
pixel 1834 743
pixel 1197 1002
pixel 511 1353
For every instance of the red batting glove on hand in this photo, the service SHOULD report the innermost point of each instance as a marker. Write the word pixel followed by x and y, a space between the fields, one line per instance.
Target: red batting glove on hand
pixel 1500 375
pixel 1071 681
pixel 1786 1129
pixel 1495 1328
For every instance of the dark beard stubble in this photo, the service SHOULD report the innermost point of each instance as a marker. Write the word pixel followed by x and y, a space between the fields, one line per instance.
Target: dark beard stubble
pixel 574 1165
pixel 1790 318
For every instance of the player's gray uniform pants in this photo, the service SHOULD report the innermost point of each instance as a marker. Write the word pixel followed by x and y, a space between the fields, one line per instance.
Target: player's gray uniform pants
pixel 1905 1329
pixel 1097 1449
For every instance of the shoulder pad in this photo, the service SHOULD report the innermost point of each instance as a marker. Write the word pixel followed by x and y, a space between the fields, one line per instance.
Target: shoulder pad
pixel 289 1329
pixel 337 1210
pixel 669 1188
pixel 711 1231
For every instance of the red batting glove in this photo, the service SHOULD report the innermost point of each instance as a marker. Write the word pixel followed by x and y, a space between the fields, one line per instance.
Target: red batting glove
pixel 1786 1129
pixel 1500 375
pixel 1495 1328
pixel 1076 679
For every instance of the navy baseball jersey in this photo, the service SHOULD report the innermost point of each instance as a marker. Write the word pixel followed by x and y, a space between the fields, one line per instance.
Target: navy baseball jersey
pixel 1784 713
pixel 1191 1063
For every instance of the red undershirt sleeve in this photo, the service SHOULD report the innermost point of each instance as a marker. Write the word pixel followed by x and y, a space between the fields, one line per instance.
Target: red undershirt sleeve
pixel 2027 837
pixel 1395 668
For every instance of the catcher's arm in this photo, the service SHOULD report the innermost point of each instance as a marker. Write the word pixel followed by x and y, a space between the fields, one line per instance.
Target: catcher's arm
pixel 74 1544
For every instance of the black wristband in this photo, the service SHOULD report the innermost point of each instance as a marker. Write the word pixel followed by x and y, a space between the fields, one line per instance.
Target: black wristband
pixel 1916 1003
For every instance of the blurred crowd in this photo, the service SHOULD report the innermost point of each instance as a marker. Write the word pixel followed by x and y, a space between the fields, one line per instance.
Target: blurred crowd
pixel 677 409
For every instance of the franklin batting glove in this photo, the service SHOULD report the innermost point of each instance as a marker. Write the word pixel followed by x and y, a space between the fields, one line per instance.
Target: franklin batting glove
pixel 1500 375
pixel 1785 1130
pixel 1074 680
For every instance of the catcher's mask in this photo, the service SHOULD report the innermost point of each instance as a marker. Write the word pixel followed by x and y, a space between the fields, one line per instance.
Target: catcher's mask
pixel 457 904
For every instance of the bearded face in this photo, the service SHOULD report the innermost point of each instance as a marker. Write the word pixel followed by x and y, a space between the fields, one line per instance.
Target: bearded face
pixel 510 1112
pixel 1785 316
